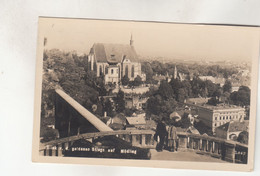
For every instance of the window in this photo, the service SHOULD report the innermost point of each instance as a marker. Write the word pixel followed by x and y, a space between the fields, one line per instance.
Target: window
pixel 106 70
pixel 133 71
pixel 215 124
pixel 100 70
pixel 112 71
pixel 113 57
pixel 220 118
pixel 216 118
pixel 126 70
pixel 95 67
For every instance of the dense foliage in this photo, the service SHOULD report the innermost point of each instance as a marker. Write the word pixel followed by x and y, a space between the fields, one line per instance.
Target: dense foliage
pixel 156 67
pixel 68 71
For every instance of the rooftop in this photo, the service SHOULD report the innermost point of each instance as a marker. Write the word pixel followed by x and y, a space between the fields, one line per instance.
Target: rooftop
pixel 234 126
pixel 113 53
pixel 218 107
pixel 136 120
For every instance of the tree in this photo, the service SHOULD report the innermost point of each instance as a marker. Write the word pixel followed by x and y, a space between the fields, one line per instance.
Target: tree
pixel 218 93
pixel 108 108
pixel 197 86
pixel 125 80
pixel 181 95
pixel 243 137
pixel 120 102
pixel 211 88
pixel 187 86
pixel 137 81
pixel 165 90
pixel 147 69
pixel 169 106
pixel 176 85
pixel 241 97
pixel 185 121
pixel 227 87
pixel 153 105
pixel 213 101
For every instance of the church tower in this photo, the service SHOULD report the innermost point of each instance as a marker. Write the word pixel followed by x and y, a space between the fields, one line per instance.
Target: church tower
pixel 175 75
pixel 131 40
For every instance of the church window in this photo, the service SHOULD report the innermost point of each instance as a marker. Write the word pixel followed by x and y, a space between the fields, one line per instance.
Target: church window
pixel 106 70
pixel 113 57
pixel 133 71
pixel 100 70
pixel 95 67
pixel 126 70
pixel 112 71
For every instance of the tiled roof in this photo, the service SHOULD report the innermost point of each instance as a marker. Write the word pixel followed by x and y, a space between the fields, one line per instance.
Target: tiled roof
pixel 234 126
pixel 113 53
pixel 238 126
pixel 136 120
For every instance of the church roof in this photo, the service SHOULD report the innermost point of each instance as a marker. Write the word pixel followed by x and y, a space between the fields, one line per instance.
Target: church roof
pixel 113 53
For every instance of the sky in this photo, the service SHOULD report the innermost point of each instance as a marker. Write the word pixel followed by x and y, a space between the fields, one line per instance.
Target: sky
pixel 176 41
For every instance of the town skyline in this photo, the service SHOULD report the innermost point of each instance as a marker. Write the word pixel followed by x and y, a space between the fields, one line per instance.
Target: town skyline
pixel 211 43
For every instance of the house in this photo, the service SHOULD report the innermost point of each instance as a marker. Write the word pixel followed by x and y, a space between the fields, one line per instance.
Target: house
pixel 215 116
pixel 231 130
pixel 136 122
pixel 135 101
pixel 183 113
pixel 118 122
pixel 190 129
pixel 215 80
pixel 168 78
pixel 114 61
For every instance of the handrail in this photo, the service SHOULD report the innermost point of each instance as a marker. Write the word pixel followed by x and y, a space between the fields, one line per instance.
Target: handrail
pixel 134 132
pixel 101 126
pixel 96 134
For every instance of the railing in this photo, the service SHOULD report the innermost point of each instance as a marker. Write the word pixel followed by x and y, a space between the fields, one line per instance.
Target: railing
pixel 230 151
pixel 205 145
pixel 138 138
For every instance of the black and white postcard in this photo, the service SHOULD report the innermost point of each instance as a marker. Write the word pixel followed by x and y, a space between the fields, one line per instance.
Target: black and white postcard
pixel 146 94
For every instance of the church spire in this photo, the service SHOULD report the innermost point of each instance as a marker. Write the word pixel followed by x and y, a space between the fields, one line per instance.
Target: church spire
pixel 131 40
pixel 175 73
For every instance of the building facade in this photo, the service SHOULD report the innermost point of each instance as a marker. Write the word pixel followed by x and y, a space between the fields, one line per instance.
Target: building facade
pixel 135 101
pixel 231 130
pixel 114 61
pixel 215 116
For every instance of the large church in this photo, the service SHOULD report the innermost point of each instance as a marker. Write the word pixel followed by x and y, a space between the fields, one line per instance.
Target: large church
pixel 114 61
